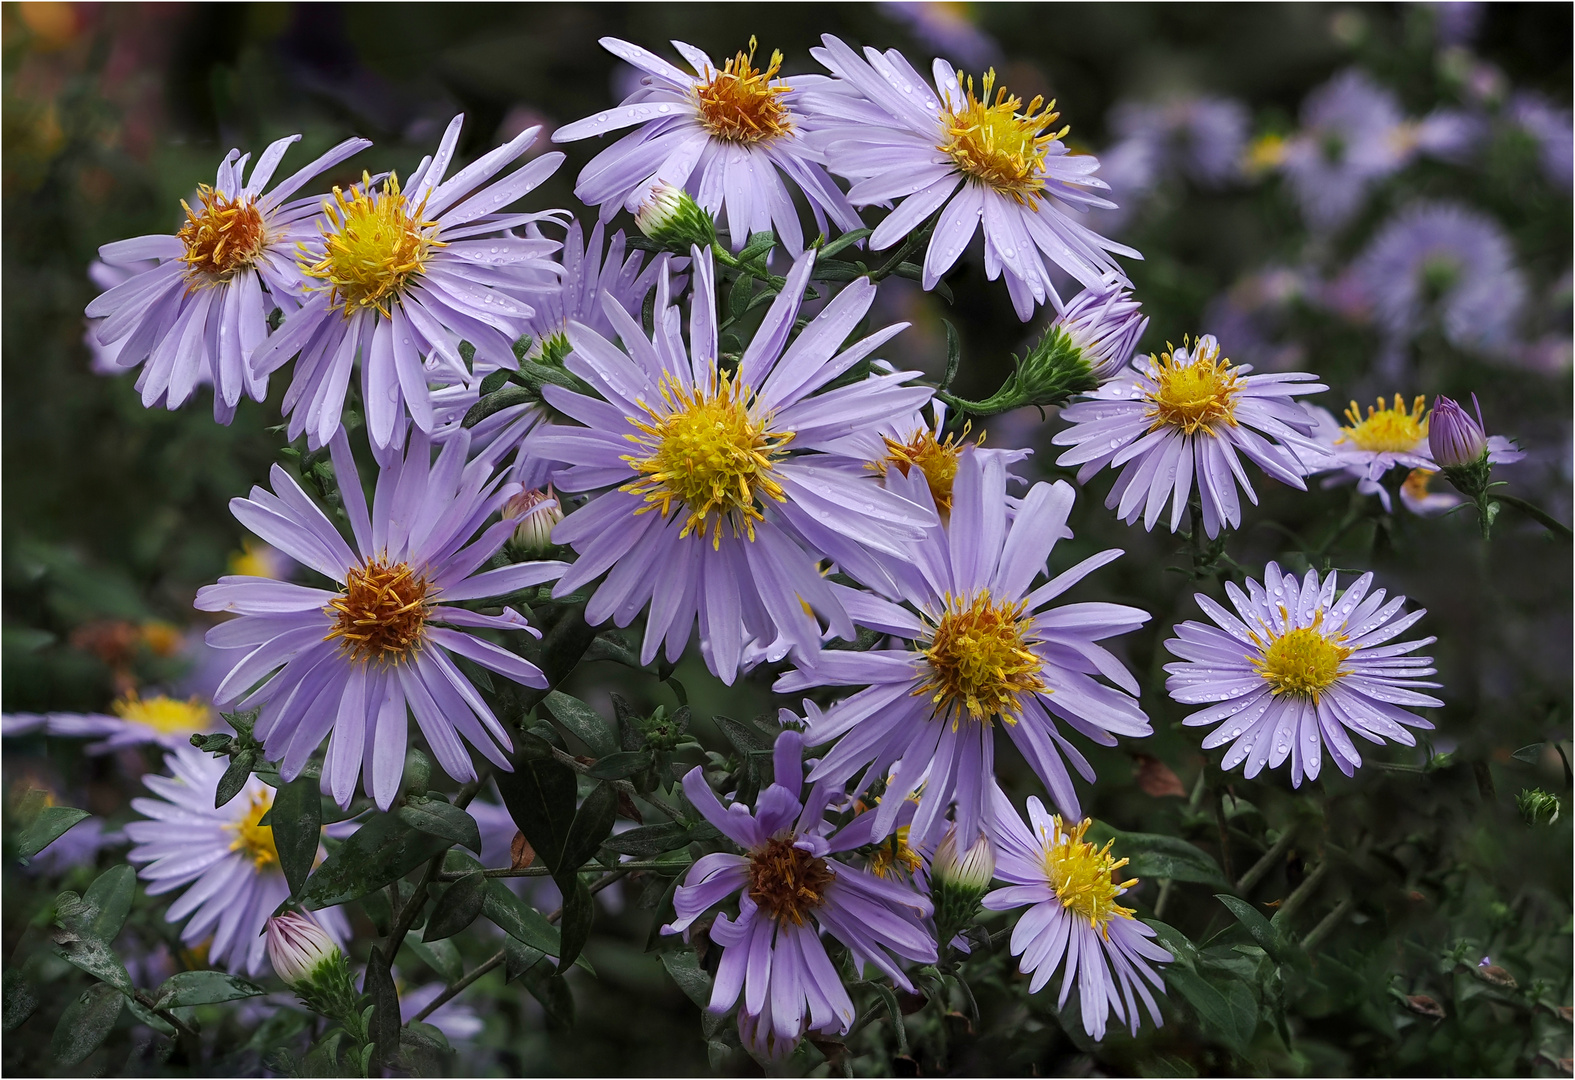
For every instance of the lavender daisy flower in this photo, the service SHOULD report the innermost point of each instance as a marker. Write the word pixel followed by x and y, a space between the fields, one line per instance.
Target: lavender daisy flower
pixel 398 274
pixel 1300 666
pixel 1365 448
pixel 984 647
pixel 1353 134
pixel 1201 137
pixel 226 858
pixel 1449 262
pixel 1189 412
pixel 971 160
pixel 199 305
pixel 740 517
pixel 726 135
pixel 355 661
pixel 1550 128
pixel 790 891
pixel 133 721
pixel 1069 888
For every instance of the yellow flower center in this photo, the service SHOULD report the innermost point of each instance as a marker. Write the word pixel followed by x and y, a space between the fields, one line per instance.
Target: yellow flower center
pixel 222 237
pixel 935 458
pixel 375 243
pixel 1416 483
pixel 254 839
pixel 740 104
pixel 1386 427
pixel 787 882
pixel 894 858
pixel 998 145
pixel 1195 396
pixel 382 612
pixel 164 715
pixel 1303 662
pixel 1083 876
pixel 707 453
pixel 254 560
pixel 979 663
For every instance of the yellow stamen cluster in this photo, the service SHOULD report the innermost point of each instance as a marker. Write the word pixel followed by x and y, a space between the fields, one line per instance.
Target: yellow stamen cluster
pixel 255 840
pixel 935 458
pixel 978 661
pixel 222 238
pixel 164 715
pixel 375 243
pixel 787 882
pixel 1416 483
pixel 710 455
pixel 1083 876
pixel 739 104
pixel 1303 662
pixel 894 858
pixel 998 143
pixel 382 613
pixel 1195 396
pixel 1386 427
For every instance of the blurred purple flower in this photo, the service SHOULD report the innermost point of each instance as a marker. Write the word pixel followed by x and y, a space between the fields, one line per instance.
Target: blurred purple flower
pixel 1202 137
pixel 947 27
pixel 1353 134
pixel 1551 128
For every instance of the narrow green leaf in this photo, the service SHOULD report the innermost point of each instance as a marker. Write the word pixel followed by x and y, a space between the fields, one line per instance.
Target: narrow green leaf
pixel 111 895
pixel 1268 937
pixel 438 818
pixel 592 824
pixel 297 821
pixel 147 1016
pixel 579 909
pixel 94 957
pixel 1219 1015
pixel 846 240
pixel 651 840
pixel 380 988
pixel 584 722
pixel 203 988
pixel 684 966
pixel 458 907
pixel 20 1001
pixel 518 958
pixel 441 956
pixel 1153 855
pixel 953 353
pixel 540 794
pixel 50 825
pixel 623 764
pixel 383 849
pixel 744 737
pixel 235 776
pixel 1529 754
pixel 85 1024
pixel 557 1000
pixel 518 919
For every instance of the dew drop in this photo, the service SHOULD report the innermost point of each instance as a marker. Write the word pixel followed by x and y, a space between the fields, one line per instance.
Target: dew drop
pixel 664 108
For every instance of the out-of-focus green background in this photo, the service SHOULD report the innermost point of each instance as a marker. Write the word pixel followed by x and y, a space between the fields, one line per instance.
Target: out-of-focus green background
pixel 114 515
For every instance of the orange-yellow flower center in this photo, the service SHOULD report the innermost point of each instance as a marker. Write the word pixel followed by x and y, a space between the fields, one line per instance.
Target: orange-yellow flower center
pixel 255 840
pixel 375 243
pixel 894 858
pixel 709 454
pixel 1197 394
pixel 1303 662
pixel 164 715
pixel 787 882
pixel 998 143
pixel 382 612
pixel 1386 427
pixel 740 104
pixel 223 237
pixel 978 664
pixel 1083 876
pixel 935 458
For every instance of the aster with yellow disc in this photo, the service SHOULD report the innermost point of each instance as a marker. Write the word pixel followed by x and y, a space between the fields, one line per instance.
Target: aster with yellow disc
pixel 1297 668
pixel 133 719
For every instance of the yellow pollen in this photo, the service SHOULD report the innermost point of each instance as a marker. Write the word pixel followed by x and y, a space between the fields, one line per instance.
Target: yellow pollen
pixel 164 715
pixel 1303 662
pixel 223 237
pixel 375 244
pixel 935 458
pixel 894 858
pixel 787 882
pixel 979 663
pixel 708 454
pixel 254 839
pixel 1083 876
pixel 381 614
pixel 739 104
pixel 1195 396
pixel 1386 427
pixel 999 143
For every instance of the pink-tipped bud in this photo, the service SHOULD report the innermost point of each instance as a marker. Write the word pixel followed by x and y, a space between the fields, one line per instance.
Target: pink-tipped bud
pixel 299 947
pixel 1455 439
pixel 538 513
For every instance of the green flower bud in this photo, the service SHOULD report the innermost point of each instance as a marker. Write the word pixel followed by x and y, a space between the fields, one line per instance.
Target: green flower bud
pixel 669 216
pixel 301 950
pixel 1537 807
pixel 538 513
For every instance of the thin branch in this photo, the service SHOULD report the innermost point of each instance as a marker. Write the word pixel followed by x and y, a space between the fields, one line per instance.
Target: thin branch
pixel 1536 513
pixel 542 871
pixel 1261 868
pixel 1328 923
pixel 450 992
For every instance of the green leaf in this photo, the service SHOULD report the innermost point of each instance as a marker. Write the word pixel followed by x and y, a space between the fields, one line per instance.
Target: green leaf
pixel 94 957
pixel 111 895
pixel 297 822
pixel 584 722
pixel 441 956
pixel 759 243
pixel 651 840
pixel 1529 754
pixel 898 1028
pixel 1232 1019
pixel 540 794
pixel 438 818
pixel 235 776
pixel 518 958
pixel 579 909
pixel 1152 855
pixel 380 851
pixel 147 1016
pixel 557 1000
pixel 592 824
pixel 518 919
pixel 846 240
pixel 684 966
pixel 1268 937
pixel 203 988
pixel 458 907
pixel 85 1024
pixel 623 764
pixel 380 988
pixel 738 296
pixel 744 737
pixel 496 402
pixel 50 825
pixel 20 1001
pixel 953 354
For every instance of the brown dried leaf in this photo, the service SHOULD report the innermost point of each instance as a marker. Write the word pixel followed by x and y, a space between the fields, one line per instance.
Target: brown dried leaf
pixel 1156 778
pixel 1423 1005
pixel 627 809
pixel 521 854
pixel 1496 975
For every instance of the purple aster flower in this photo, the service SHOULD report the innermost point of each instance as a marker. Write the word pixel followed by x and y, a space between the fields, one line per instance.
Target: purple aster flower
pixel 1069 887
pixel 725 500
pixel 196 307
pixel 355 660
pixel 105 277
pixel 401 273
pixel 947 28
pixel 1353 134
pixel 1550 127
pixel 790 891
pixel 971 160
pixel 1449 262
pixel 984 646
pixel 132 721
pixel 1201 137
pixel 1300 666
pixel 226 858
pixel 727 135
pixel 1190 413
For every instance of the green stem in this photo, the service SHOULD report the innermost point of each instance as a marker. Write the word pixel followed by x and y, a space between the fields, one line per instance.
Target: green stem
pixel 542 871
pixel 1261 868
pixel 728 259
pixel 1537 514
pixel 1327 924
pixel 450 992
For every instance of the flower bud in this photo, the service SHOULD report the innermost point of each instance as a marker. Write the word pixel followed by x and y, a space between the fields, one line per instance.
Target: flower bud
pixel 971 872
pixel 300 949
pixel 668 215
pixel 1456 440
pixel 1103 325
pixel 538 513
pixel 1537 807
